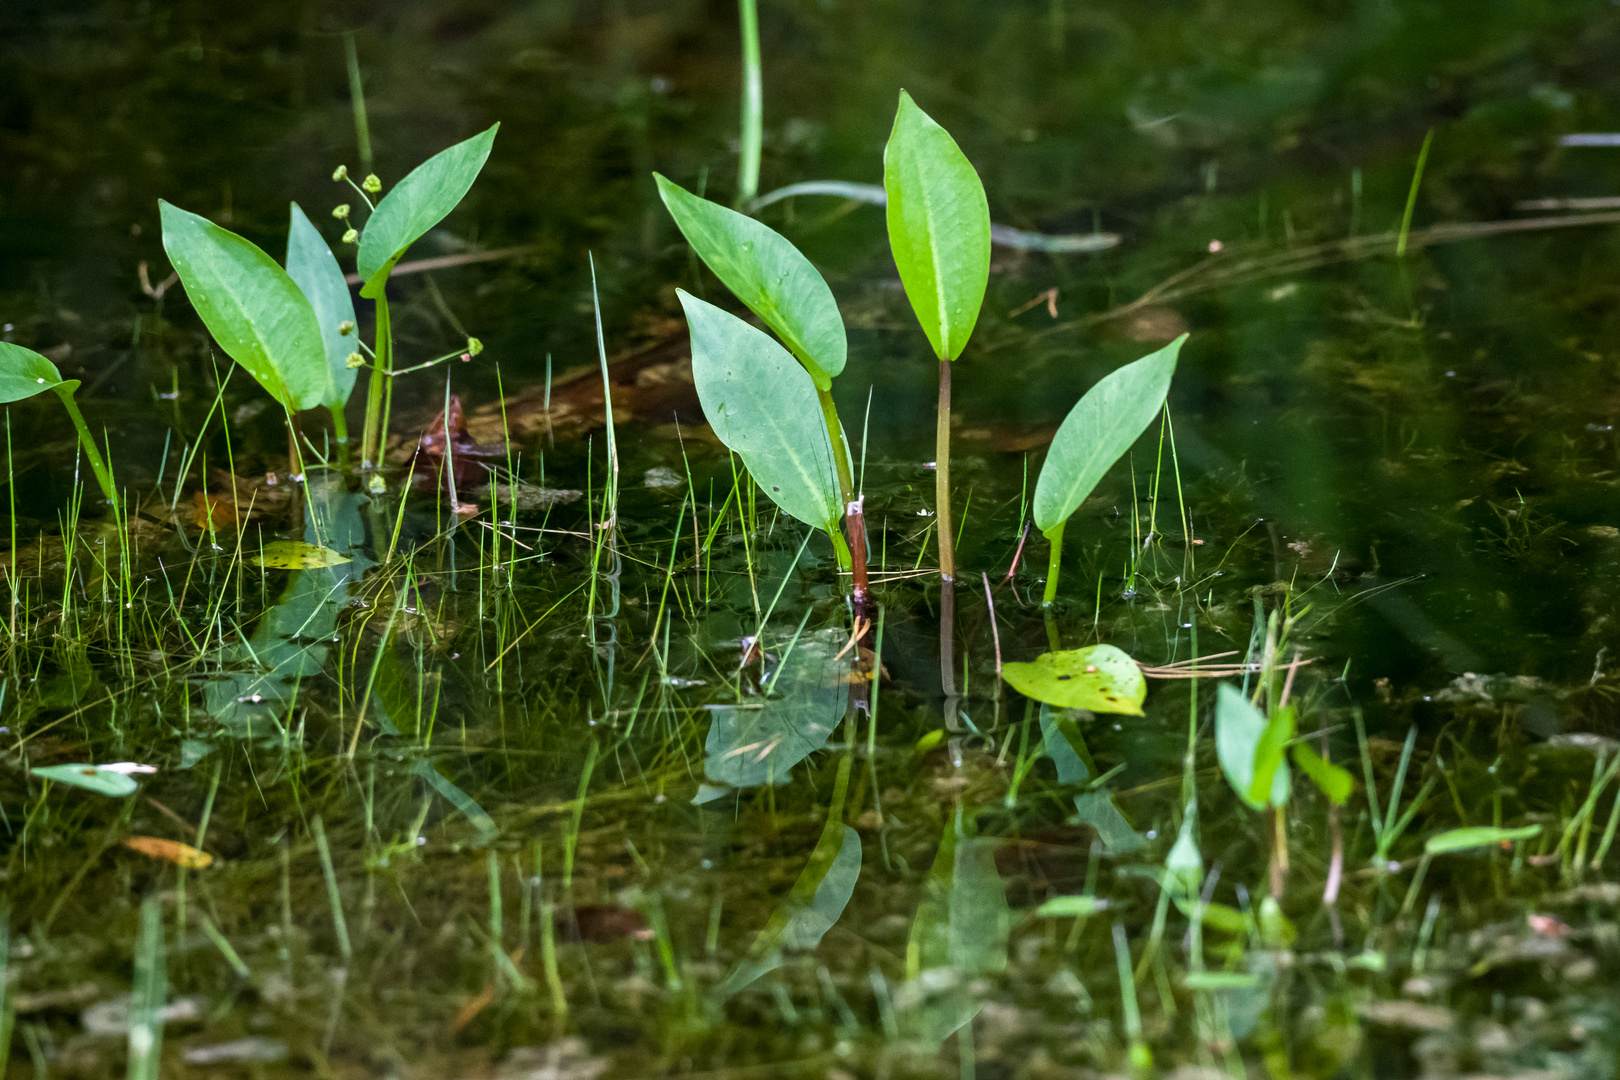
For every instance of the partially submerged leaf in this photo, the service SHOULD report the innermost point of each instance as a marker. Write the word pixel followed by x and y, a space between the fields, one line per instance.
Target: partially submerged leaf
pixel 97 778
pixel 767 273
pixel 763 405
pixel 1476 836
pixel 24 373
pixel 760 742
pixel 1268 752
pixel 1101 678
pixel 1336 783
pixel 314 269
pixel 180 854
pixel 416 204
pixel 1239 727
pixel 939 227
pixel 298 555
pixel 251 307
pixel 1098 431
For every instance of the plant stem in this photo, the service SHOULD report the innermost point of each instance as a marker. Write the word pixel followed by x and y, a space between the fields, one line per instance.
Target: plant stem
pixel 1054 563
pixel 340 434
pixel 852 558
pixel 942 518
pixel 753 106
pixel 97 465
pixel 381 363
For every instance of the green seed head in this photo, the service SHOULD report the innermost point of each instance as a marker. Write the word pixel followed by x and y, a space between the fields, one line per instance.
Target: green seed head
pixel 346 327
pixel 474 346
pixel 340 173
pixel 351 236
pixel 355 359
pixel 371 183
pixel 341 211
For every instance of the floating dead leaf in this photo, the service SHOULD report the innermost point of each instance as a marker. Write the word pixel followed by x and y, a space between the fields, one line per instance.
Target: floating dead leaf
pixel 297 555
pixel 180 854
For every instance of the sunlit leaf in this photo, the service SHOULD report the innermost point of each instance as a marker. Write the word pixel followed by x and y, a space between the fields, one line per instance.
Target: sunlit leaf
pixel 1476 836
pixel 314 269
pixel 1336 783
pixel 24 373
pixel 1098 431
pixel 762 404
pixel 1269 751
pixel 298 555
pixel 1239 727
pixel 181 854
pixel 939 227
pixel 1101 678
pixel 416 204
pixel 767 273
pixel 251 307
pixel 95 778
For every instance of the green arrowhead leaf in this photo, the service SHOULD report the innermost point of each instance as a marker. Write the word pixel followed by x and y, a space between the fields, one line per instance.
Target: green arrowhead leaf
pixel 416 204
pixel 314 269
pixel 768 274
pixel 250 305
pixel 1477 836
pixel 90 777
pixel 763 405
pixel 1269 751
pixel 1239 727
pixel 24 373
pixel 939 227
pixel 1336 783
pixel 1098 431
pixel 1100 678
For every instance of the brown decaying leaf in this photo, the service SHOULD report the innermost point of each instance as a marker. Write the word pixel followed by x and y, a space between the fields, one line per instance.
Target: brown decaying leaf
pixel 180 854
pixel 602 923
pixel 212 511
pixel 447 437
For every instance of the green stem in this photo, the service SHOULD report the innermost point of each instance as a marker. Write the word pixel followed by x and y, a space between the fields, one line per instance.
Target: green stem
pixel 1054 563
pixel 381 363
pixel 835 435
pixel 942 475
pixel 97 465
pixel 340 434
pixel 753 107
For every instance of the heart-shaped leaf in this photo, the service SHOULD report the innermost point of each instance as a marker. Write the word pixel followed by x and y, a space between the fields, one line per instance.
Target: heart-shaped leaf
pixel 1100 678
pixel 1477 836
pixel 97 778
pixel 1239 729
pixel 1098 431
pixel 24 373
pixel 939 227
pixel 763 405
pixel 767 273
pixel 314 269
pixel 254 310
pixel 416 204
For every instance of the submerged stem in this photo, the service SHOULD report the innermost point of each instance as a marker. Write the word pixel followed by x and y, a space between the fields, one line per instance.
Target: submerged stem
pixel 93 455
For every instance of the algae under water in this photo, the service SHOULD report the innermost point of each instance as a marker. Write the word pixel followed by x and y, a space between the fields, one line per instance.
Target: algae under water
pixel 490 790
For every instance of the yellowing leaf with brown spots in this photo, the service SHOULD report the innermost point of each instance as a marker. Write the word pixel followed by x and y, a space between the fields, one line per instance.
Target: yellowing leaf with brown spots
pixel 182 854
pixel 1100 678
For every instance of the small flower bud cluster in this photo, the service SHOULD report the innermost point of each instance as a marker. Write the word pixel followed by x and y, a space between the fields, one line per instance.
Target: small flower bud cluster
pixel 355 360
pixel 346 327
pixel 341 211
pixel 474 346
pixel 371 183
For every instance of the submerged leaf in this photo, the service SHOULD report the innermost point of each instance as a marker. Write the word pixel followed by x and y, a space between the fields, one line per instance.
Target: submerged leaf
pixel 1476 836
pixel 1101 678
pixel 298 555
pixel 314 269
pixel 763 405
pixel 251 307
pixel 1098 431
pixel 1239 727
pixel 1094 806
pixel 767 273
pixel 939 227
pixel 24 373
pixel 180 854
pixel 416 204
pixel 1268 752
pixel 1336 783
pixel 97 778
pixel 1060 907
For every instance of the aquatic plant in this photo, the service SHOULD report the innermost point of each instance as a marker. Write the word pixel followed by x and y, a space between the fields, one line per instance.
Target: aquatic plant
pixel 24 373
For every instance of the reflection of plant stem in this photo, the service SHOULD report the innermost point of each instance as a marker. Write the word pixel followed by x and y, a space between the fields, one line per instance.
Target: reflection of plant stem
pixel 1054 563
pixel 97 465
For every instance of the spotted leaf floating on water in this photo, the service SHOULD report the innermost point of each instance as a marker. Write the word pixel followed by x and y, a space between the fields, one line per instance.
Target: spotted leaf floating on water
pixel 298 555
pixel 1101 678
pixel 114 780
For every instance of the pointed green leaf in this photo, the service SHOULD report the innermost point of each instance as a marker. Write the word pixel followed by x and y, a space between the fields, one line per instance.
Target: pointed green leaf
pixel 1219 980
pixel 939 227
pixel 416 204
pixel 314 269
pixel 250 305
pixel 1269 751
pixel 1098 431
pixel 1336 783
pixel 1239 727
pixel 103 781
pixel 1100 678
pixel 763 405
pixel 24 373
pixel 1222 917
pixel 768 274
pixel 1477 836
pixel 1070 907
